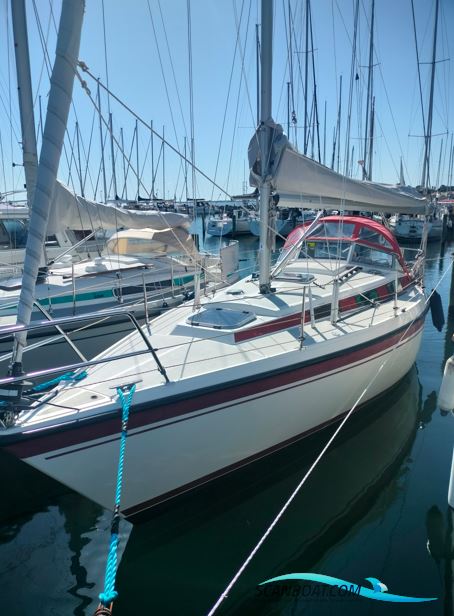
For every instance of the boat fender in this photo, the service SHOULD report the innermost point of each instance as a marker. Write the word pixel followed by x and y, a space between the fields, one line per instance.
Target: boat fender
pixel 446 394
pixel 451 484
pixel 436 310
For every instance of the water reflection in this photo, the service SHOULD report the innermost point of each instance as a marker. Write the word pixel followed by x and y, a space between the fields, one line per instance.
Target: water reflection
pixel 53 546
pixel 197 544
pixel 440 545
pixel 428 409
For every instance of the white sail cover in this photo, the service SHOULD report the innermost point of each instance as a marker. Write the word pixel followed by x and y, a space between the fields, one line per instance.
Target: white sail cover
pixel 69 211
pixel 301 182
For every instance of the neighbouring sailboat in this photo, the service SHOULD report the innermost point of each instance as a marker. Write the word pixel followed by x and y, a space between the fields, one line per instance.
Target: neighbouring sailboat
pixel 270 359
pixel 150 278
pixel 14 221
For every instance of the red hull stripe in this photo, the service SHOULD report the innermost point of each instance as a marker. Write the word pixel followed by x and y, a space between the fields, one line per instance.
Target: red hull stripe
pixel 75 433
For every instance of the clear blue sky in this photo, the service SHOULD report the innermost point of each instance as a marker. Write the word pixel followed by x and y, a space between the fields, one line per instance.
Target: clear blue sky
pixel 136 76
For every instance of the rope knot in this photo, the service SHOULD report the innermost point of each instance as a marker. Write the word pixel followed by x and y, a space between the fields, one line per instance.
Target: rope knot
pixel 81 64
pixel 85 87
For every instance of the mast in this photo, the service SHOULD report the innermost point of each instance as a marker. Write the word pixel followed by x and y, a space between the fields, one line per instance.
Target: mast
pixel 62 82
pixel 79 163
pixel 367 175
pixel 371 138
pixel 164 164
pixel 290 95
pixel 265 142
pixel 314 81
pixel 152 159
pixel 428 136
pixel 101 137
pixel 137 161
pixel 24 88
pixel 350 89
pixel 257 67
pixel 186 170
pixel 401 174
pixel 112 155
pixel 124 192
pixel 324 137
pixel 437 183
pixel 306 67
pixel 338 129
pixel 450 163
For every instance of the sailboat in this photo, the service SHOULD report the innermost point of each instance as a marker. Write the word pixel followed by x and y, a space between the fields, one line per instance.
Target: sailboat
pixel 416 228
pixel 75 240
pixel 150 264
pixel 230 379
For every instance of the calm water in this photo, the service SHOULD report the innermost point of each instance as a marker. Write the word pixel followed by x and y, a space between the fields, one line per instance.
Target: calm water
pixel 376 506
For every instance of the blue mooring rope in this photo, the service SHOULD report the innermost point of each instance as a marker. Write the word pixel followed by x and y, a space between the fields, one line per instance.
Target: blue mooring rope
pixel 110 594
pixel 68 376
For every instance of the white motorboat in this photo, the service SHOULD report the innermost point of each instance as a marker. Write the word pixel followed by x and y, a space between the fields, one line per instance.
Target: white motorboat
pixel 410 228
pixel 286 221
pixel 230 221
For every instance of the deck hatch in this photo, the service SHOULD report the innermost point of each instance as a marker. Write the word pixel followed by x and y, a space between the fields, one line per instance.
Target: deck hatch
pixel 221 318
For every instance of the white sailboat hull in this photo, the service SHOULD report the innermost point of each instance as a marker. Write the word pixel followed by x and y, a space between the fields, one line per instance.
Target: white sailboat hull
pixel 173 455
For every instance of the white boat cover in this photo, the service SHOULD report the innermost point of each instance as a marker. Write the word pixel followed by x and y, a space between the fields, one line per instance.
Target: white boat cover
pixel 302 182
pixel 70 211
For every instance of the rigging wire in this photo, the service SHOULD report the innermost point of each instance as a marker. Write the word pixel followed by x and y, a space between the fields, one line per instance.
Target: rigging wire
pixel 191 101
pixel 87 154
pixel 242 78
pixel 8 43
pixel 43 63
pixel 105 53
pixel 86 70
pixel 173 70
pixel 2 156
pixel 350 90
pixel 229 88
pixel 306 476
pixel 166 88
pixel 418 67
pixel 243 69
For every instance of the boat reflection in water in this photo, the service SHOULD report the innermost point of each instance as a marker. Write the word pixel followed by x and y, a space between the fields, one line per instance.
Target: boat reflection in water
pixel 53 545
pixel 189 551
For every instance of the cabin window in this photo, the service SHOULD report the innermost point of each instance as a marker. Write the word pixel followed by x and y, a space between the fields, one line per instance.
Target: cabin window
pixel 135 246
pixel 329 249
pixel 371 256
pixel 81 234
pixel 221 318
pixel 338 229
pixel 372 236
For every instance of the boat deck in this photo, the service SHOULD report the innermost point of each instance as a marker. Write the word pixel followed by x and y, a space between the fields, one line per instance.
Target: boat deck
pixel 210 355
